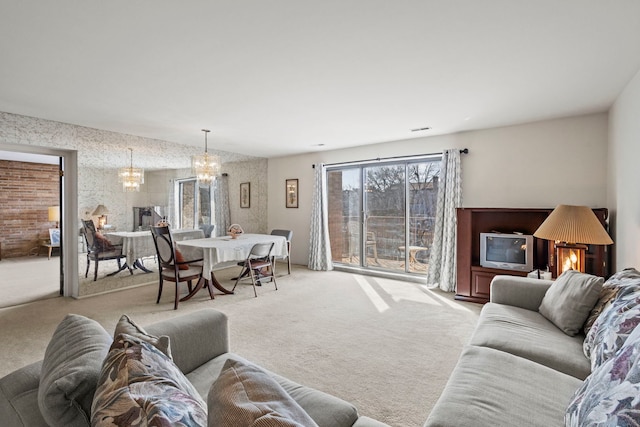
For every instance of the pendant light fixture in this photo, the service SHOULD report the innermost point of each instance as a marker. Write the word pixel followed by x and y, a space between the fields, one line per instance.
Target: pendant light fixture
pixel 131 177
pixel 205 166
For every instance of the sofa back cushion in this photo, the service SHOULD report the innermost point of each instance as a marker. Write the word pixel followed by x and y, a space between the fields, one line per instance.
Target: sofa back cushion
pixel 70 371
pixel 570 299
pixel 610 396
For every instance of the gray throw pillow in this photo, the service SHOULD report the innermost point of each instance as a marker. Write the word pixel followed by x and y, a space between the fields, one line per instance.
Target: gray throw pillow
pixel 245 395
pixel 70 371
pixel 570 299
pixel 127 326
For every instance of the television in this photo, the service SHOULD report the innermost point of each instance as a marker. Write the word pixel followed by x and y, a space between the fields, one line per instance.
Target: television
pixel 506 251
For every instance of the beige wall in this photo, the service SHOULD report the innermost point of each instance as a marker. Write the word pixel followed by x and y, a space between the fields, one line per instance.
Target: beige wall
pixel 624 176
pixel 538 164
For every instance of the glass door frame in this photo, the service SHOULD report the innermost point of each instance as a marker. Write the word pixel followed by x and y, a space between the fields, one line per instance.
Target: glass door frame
pixel 364 215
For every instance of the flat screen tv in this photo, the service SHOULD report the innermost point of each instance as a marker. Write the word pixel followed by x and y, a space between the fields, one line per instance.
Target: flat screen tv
pixel 506 251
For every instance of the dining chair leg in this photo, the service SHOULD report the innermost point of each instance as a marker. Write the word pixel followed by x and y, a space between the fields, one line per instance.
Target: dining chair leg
pixel 95 274
pixel 159 290
pixel 86 273
pixel 289 263
pixel 175 304
pixel 253 282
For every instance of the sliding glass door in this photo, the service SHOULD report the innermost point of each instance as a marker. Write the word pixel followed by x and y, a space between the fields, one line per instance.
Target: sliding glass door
pixel 381 214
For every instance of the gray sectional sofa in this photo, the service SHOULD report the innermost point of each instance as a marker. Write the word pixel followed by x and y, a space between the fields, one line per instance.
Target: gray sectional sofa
pixel 521 369
pixel 60 389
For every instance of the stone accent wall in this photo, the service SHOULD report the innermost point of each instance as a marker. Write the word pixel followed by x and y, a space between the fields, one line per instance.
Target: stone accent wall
pixel 26 191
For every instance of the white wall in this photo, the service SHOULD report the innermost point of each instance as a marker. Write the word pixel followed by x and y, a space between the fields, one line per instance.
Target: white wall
pixel 624 175
pixel 538 164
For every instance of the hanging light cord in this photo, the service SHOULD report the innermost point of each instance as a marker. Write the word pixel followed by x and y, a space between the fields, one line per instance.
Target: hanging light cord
pixel 206 131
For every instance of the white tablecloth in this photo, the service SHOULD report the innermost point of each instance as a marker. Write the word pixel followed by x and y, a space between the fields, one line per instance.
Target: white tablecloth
pixel 139 244
pixel 220 250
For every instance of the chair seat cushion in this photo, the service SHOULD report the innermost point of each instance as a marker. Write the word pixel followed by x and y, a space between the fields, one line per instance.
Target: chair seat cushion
pixel 170 273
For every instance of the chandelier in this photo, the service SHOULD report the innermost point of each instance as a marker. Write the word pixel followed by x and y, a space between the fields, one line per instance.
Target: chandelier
pixel 205 166
pixel 131 177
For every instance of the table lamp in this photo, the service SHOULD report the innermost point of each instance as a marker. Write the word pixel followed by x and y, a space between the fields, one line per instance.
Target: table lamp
pixel 572 228
pixel 101 212
pixel 54 214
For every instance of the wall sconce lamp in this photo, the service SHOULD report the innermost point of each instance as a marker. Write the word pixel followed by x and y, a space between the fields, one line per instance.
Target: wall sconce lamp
pixel 54 214
pixel 572 228
pixel 101 212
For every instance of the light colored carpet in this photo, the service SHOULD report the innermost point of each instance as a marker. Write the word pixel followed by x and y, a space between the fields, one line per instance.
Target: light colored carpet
pixel 384 345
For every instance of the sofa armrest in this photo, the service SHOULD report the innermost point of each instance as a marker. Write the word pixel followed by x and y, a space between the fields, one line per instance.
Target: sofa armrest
pixel 195 338
pixel 523 292
pixel 19 397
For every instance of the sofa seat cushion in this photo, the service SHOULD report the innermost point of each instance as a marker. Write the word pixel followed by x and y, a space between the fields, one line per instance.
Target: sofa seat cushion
pixel 489 387
pixel 246 395
pixel 70 371
pixel 326 410
pixel 530 335
pixel 140 385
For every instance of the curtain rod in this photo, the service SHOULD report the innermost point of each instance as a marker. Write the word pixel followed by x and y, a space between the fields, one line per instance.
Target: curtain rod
pixel 462 151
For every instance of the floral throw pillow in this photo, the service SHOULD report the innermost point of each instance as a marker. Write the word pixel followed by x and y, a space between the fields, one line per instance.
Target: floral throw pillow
pixel 629 277
pixel 612 327
pixel 610 396
pixel 139 385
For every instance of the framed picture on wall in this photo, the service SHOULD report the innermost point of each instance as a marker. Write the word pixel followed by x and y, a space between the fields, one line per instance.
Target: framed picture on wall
pixel 291 188
pixel 245 194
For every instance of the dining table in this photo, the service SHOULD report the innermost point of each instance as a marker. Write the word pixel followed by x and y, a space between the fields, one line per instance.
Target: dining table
pixel 137 245
pixel 222 252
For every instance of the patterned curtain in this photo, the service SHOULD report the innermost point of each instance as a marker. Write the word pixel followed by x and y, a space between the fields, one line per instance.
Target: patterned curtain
pixel 442 262
pixel 320 249
pixel 223 211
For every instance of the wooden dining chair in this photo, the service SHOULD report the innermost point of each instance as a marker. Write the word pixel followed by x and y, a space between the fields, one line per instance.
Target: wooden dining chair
pixel 287 234
pixel 258 266
pixel 173 267
pixel 100 249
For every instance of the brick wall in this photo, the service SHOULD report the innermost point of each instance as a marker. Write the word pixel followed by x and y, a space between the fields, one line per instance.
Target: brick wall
pixel 26 191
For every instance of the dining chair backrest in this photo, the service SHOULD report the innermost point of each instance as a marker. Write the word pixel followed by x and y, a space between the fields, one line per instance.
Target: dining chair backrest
pixel 261 250
pixel 287 234
pixel 164 245
pixel 89 231
pixel 208 229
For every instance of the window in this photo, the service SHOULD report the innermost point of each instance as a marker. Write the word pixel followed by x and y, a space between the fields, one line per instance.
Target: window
pixel 194 204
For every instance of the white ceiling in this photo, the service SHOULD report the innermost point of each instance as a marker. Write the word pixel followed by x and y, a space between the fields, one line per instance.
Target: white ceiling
pixel 278 77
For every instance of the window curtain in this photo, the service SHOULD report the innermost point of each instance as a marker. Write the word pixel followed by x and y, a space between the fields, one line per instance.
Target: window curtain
pixel 442 261
pixel 320 249
pixel 223 210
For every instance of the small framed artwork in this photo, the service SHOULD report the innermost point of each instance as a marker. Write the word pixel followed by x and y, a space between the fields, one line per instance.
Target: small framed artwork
pixel 291 188
pixel 245 194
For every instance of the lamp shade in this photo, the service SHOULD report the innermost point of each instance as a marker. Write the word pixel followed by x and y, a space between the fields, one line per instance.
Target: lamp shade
pixel 100 210
pixel 54 213
pixel 573 224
